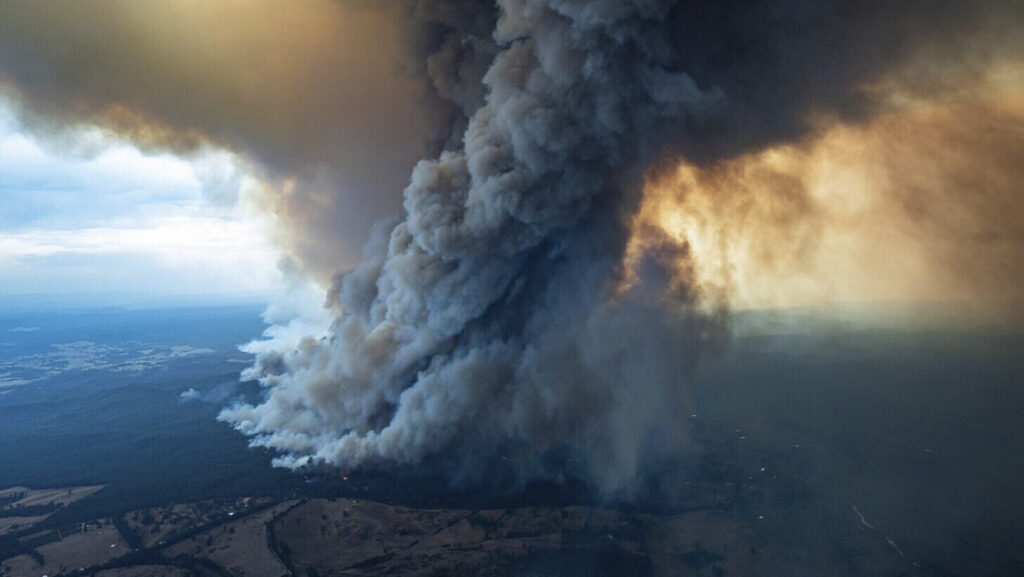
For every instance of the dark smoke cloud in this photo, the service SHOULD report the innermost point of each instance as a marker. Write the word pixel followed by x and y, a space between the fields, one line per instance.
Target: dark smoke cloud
pixel 312 94
pixel 492 313
pixel 785 65
pixel 452 45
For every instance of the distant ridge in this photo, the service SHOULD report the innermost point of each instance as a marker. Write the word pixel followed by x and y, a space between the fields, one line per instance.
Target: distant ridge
pixel 22 303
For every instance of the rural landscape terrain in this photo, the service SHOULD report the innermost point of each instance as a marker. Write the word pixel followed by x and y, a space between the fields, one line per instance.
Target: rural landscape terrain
pixel 804 460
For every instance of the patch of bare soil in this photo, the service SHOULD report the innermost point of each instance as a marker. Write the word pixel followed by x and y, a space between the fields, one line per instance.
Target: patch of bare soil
pixel 12 524
pixel 43 497
pixel 21 506
pixel 98 544
pixel 240 547
pixel 163 523
pixel 145 571
pixel 347 537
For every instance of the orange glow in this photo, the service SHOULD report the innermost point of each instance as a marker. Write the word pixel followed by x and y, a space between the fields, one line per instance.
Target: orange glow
pixel 922 202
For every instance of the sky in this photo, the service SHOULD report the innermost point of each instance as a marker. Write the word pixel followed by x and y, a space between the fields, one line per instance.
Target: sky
pixel 97 215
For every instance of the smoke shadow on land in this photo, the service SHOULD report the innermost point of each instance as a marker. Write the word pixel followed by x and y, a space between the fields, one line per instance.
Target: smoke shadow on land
pixel 907 436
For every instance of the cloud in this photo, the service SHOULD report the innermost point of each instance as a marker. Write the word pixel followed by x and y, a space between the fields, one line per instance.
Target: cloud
pixel 311 94
pixel 165 256
pixel 40 188
pixel 72 223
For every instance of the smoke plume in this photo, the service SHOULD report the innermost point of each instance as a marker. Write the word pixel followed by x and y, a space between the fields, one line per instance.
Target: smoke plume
pixel 519 303
pixel 480 319
pixel 489 316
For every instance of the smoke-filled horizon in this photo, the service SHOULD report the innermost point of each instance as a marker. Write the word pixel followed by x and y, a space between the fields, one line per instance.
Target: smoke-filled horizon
pixel 545 286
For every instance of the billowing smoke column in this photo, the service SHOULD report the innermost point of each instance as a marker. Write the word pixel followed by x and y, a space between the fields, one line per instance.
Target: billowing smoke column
pixel 494 313
pixel 483 318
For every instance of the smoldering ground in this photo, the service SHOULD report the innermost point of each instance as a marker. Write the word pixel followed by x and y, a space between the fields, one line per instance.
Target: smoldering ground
pixel 507 306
